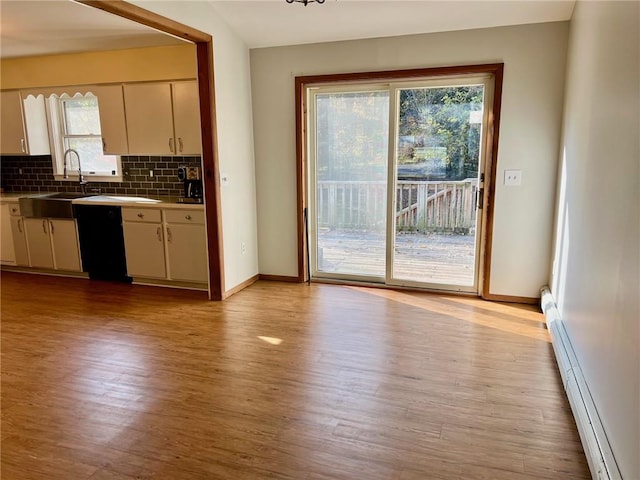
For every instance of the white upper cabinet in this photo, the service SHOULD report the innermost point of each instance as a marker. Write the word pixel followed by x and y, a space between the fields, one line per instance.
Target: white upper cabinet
pixel 113 125
pixel 163 118
pixel 12 138
pixel 23 125
pixel 149 118
pixel 186 118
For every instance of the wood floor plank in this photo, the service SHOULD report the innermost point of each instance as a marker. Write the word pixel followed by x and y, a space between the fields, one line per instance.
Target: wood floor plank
pixel 108 381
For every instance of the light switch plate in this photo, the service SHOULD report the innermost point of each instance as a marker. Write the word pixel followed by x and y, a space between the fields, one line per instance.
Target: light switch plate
pixel 513 178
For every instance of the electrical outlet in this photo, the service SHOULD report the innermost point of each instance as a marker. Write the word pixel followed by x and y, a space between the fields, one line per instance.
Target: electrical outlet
pixel 151 173
pixel 224 179
pixel 513 178
pixel 243 247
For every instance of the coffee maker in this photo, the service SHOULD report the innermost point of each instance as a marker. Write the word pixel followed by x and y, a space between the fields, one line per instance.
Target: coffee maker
pixel 192 179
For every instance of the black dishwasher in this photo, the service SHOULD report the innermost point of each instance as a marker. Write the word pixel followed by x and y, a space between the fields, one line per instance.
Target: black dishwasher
pixel 101 242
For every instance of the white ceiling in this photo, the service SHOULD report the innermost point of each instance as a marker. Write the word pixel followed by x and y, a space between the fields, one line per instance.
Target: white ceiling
pixel 60 26
pixel 30 28
pixel 267 23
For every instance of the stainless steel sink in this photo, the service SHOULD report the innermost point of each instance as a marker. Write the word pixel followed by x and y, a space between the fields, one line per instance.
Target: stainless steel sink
pixel 55 205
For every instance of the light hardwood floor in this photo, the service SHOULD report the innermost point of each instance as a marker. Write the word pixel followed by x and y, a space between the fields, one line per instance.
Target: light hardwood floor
pixel 108 381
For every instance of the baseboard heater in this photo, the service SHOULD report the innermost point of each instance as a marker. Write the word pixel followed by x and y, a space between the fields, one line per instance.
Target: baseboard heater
pixel 594 440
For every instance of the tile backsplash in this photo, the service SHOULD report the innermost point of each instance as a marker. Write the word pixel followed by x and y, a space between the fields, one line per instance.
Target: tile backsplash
pixel 35 174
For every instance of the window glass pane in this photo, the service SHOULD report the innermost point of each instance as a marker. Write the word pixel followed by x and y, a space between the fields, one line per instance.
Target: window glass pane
pixel 91 157
pixel 81 116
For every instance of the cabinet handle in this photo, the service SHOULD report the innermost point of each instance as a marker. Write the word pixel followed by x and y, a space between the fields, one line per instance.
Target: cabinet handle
pixel 14 210
pixel 44 226
pixel 180 145
pixel 22 147
pixel 104 145
pixel 171 145
pixel 168 234
pixel 20 225
pixel 159 234
pixel 187 217
pixel 140 215
pixel 51 225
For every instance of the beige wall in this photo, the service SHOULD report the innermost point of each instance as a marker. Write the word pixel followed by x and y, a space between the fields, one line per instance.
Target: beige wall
pixel 235 133
pixel 111 66
pixel 534 58
pixel 596 265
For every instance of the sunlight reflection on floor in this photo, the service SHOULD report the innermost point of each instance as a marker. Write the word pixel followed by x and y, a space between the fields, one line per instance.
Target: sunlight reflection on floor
pixel 504 317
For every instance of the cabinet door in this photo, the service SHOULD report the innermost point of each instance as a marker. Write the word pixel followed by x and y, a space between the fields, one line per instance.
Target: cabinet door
pixel 12 139
pixel 144 247
pixel 149 118
pixel 186 118
pixel 19 241
pixel 113 125
pixel 64 239
pixel 7 252
pixel 187 252
pixel 38 242
pixel 36 126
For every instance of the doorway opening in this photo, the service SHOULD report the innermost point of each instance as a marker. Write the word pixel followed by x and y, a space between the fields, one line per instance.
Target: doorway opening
pixel 206 94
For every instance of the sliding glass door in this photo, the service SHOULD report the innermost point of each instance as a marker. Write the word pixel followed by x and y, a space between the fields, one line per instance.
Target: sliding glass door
pixel 435 170
pixel 396 176
pixel 351 146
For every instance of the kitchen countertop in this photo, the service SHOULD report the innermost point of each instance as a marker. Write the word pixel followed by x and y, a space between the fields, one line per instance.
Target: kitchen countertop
pixel 13 197
pixel 117 200
pixel 131 201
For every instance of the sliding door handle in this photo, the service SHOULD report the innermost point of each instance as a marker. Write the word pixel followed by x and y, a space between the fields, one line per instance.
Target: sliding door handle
pixel 479 198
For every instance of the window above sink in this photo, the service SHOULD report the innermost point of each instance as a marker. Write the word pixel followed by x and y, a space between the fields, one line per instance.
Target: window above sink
pixel 74 123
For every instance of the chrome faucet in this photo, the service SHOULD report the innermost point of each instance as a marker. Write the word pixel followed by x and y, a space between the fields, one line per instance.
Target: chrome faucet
pixel 83 183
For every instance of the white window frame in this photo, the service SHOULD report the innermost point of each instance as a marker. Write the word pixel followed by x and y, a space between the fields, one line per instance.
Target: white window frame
pixel 57 136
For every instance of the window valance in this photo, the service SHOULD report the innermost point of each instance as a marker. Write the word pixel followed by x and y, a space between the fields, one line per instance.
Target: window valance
pixel 60 92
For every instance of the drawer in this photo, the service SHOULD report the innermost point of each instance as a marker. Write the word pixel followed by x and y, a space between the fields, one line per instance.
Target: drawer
pixel 14 209
pixel 141 215
pixel 184 216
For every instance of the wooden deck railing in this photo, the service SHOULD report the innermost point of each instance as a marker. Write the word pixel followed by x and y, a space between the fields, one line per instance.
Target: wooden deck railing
pixel 432 206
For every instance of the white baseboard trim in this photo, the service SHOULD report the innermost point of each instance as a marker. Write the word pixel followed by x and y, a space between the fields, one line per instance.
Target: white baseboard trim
pixel 596 446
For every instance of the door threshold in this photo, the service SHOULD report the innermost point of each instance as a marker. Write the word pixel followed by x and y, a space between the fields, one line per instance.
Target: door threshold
pixel 355 283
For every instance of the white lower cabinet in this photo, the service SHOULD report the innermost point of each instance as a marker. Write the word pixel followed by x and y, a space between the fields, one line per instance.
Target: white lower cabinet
pixel 144 242
pixel 19 241
pixel 7 251
pixel 52 243
pixel 38 242
pixel 64 244
pixel 186 246
pixel 167 244
pixel 160 244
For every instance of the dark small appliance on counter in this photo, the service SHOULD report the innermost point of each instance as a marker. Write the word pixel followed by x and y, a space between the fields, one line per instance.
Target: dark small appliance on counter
pixel 192 179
